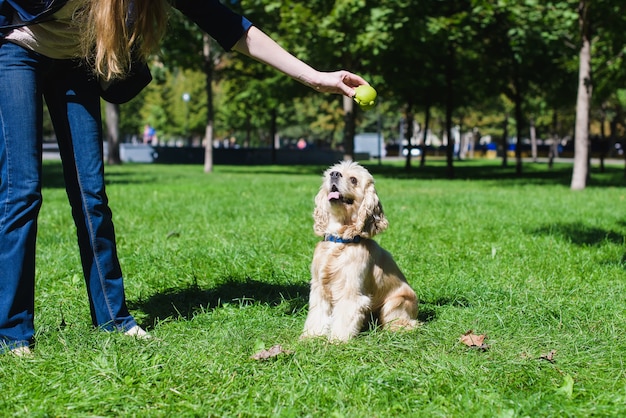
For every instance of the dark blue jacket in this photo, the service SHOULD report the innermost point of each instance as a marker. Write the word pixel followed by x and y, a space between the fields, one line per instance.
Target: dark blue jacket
pixel 220 22
pixel 224 25
pixel 29 11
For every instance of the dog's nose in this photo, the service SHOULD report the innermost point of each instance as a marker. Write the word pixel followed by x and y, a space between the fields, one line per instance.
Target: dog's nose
pixel 335 175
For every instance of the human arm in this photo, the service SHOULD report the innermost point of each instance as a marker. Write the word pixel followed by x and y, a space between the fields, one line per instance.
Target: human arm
pixel 259 46
pixel 233 31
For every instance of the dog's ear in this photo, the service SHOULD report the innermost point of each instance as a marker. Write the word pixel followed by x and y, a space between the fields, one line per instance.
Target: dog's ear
pixel 320 213
pixel 371 218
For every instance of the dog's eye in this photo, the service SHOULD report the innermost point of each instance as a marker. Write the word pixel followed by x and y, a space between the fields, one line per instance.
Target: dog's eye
pixel 353 180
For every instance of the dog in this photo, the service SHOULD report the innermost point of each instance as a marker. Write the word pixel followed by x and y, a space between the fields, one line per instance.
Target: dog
pixel 353 279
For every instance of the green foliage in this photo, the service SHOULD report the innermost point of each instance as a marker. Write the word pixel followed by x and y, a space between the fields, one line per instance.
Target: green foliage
pixel 317 117
pixel 216 269
pixel 187 102
pixel 182 46
pixel 522 49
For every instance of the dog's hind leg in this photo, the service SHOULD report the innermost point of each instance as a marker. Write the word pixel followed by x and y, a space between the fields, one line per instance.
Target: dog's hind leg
pixel 399 309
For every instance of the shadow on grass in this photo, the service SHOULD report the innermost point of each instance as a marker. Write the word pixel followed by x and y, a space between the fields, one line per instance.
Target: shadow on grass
pixel 478 170
pixel 581 234
pixel 186 302
pixel 492 170
pixel 428 308
pixel 584 235
pixel 53 176
pixel 426 313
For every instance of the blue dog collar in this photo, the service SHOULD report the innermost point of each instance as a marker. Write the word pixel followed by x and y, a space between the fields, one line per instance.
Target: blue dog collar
pixel 338 239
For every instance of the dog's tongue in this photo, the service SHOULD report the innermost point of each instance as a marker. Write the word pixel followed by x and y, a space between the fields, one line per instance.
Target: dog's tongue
pixel 333 195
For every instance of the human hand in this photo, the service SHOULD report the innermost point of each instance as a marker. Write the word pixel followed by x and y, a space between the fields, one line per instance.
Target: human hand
pixel 338 82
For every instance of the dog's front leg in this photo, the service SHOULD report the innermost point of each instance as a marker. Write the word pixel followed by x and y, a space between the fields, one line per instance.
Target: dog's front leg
pixel 348 316
pixel 317 322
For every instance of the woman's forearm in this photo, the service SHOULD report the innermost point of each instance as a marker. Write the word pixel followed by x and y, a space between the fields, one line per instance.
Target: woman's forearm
pixel 262 48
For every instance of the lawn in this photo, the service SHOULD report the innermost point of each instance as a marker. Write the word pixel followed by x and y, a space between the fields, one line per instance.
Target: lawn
pixel 216 268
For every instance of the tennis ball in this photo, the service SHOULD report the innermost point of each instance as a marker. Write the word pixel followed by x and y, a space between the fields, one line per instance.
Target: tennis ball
pixel 365 96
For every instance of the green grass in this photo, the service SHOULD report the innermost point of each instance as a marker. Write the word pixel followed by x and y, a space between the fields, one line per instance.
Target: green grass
pixel 216 268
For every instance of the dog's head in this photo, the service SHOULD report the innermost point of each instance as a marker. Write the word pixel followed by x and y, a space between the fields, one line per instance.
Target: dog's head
pixel 347 203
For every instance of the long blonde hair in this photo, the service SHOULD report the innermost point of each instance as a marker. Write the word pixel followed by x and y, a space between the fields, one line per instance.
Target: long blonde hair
pixel 114 30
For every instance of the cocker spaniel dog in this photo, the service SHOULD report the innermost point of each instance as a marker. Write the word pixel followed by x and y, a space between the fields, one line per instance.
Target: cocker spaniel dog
pixel 353 279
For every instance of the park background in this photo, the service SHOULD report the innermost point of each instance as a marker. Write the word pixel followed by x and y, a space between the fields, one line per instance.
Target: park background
pixel 531 78
pixel 216 266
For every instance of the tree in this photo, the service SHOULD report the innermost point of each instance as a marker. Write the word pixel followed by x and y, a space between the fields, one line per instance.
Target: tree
pixel 193 49
pixel 456 46
pixel 440 58
pixel 331 34
pixel 113 132
pixel 525 42
pixel 601 51
pixel 209 67
pixel 410 64
pixel 581 157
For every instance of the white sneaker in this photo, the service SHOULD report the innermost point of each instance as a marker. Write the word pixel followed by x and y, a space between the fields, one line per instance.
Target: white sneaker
pixel 138 332
pixel 21 351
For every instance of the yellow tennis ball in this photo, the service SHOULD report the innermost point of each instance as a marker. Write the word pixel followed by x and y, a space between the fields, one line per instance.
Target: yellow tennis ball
pixel 365 96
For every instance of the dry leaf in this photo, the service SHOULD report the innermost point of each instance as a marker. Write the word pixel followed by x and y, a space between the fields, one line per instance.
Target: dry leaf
pixel 549 357
pixel 474 341
pixel 272 352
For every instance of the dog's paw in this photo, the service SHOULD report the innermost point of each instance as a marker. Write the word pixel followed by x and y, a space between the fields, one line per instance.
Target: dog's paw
pixel 402 325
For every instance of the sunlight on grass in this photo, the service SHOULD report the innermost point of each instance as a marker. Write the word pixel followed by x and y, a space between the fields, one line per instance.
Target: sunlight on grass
pixel 217 266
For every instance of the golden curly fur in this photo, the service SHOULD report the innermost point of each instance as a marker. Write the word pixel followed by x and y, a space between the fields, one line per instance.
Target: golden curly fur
pixel 352 277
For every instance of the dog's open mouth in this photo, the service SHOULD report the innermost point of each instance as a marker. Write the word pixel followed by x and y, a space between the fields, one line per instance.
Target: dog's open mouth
pixel 335 197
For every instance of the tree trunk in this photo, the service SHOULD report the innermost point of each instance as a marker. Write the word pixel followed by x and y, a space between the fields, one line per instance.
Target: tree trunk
pixel 533 140
pixel 518 126
pixel 425 135
pixel 449 75
pixel 604 146
pixel 613 135
pixel 273 134
pixel 409 119
pixel 554 147
pixel 505 140
pixel 462 141
pixel 583 100
pixel 248 141
pixel 208 132
pixel 112 112
pixel 475 139
pixel 208 148
pixel 349 128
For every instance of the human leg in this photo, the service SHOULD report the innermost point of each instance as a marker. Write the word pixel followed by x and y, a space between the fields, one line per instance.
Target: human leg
pixel 20 191
pixel 74 105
